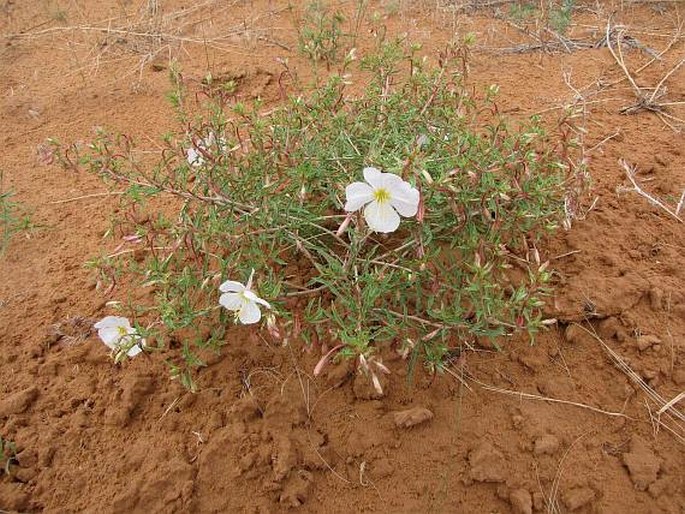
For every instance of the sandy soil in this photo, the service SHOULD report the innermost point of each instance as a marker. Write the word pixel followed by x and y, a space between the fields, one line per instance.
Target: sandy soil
pixel 558 426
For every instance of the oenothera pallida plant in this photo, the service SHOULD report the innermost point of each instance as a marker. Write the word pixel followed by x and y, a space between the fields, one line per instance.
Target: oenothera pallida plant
pixel 399 216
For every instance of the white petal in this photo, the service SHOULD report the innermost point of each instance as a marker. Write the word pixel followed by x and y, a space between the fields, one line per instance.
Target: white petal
pixel 357 194
pixel 374 177
pixel 404 198
pixel 232 301
pixel 249 314
pixel 113 321
pixel 381 217
pixel 248 286
pixel 231 286
pixel 132 339
pixel 194 157
pixel 256 299
pixel 390 180
pixel 136 349
pixel 110 336
pixel 263 302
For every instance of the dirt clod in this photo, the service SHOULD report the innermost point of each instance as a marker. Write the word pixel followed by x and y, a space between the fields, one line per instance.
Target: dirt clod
pixel 487 463
pixel 578 497
pixel 297 490
pixel 364 389
pixel 645 342
pixel 679 377
pixel 663 486
pixel 656 298
pixel 575 335
pixel 521 501
pixel 411 417
pixel 382 468
pixel 14 497
pixel 18 402
pixel 642 464
pixel 612 328
pixel 558 387
pixel 27 458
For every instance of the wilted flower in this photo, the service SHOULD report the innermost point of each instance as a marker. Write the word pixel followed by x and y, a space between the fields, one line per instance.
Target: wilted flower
pixel 386 197
pixel 422 140
pixel 240 299
pixel 195 154
pixel 343 226
pixel 272 327
pixel 117 333
pixel 366 364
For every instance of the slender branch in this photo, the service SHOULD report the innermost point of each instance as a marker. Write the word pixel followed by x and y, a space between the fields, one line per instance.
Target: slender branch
pixel 84 197
pixel 217 200
pixel 630 173
pixel 661 82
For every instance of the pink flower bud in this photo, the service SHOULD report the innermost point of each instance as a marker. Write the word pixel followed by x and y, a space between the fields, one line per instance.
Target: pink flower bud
pixel 344 224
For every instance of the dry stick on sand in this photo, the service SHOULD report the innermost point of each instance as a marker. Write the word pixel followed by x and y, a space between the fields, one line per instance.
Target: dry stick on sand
pixel 668 416
pixel 674 212
pixel 631 42
pixel 674 39
pixel 670 404
pixel 562 43
pixel 529 396
pixel 645 101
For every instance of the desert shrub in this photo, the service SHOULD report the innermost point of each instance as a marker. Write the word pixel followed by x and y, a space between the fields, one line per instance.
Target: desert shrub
pixel 247 194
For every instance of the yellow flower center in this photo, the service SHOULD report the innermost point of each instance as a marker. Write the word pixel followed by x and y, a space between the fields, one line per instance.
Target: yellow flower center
pixel 122 331
pixel 381 195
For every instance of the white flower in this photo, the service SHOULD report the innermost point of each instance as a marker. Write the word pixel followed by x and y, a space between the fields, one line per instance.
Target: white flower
pixel 240 299
pixel 117 333
pixel 195 154
pixel 386 197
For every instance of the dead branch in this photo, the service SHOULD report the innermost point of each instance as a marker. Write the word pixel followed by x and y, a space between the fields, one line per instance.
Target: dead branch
pixel 630 173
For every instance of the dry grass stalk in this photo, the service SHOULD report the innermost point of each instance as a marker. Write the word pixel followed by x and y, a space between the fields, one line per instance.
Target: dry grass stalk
pixel 667 416
pixel 673 212
pixel 551 500
pixel 85 197
pixel 670 404
pixel 530 396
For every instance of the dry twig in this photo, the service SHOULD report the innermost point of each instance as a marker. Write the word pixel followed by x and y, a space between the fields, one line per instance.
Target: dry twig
pixel 630 173
pixel 645 100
